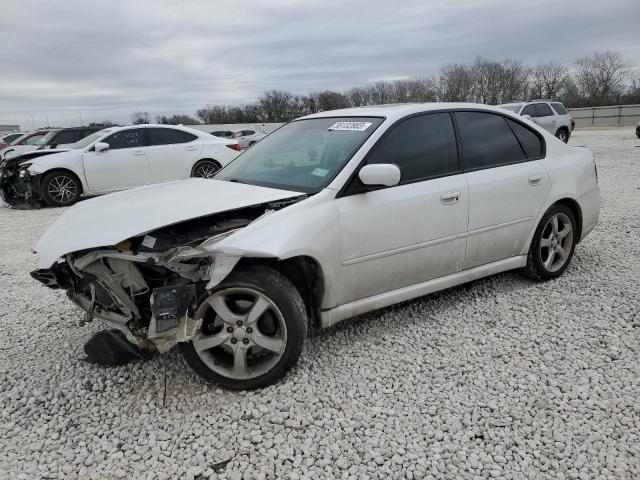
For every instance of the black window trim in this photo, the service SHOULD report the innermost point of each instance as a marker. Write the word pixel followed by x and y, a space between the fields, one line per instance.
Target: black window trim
pixel 346 189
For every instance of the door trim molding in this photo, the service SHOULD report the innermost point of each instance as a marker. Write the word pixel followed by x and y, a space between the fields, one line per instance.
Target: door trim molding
pixel 375 302
pixel 406 248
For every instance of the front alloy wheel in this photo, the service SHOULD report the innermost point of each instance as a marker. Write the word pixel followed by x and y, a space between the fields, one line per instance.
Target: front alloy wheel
pixel 252 330
pixel 60 189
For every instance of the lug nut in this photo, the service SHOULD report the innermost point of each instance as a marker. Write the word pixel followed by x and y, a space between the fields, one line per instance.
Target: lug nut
pixel 245 340
pixel 234 340
pixel 249 330
pixel 230 329
pixel 239 323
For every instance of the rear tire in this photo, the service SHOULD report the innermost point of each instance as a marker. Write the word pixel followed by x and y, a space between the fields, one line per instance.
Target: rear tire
pixel 61 189
pixel 253 328
pixel 552 245
pixel 205 169
pixel 563 134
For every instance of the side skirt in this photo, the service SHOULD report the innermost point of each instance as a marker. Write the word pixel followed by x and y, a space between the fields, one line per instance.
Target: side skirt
pixel 364 305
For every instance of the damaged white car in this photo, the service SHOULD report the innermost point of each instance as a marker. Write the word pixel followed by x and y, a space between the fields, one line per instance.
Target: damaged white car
pixel 331 216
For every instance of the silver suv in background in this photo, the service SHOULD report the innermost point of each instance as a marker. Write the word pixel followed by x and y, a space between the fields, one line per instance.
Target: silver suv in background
pixel 551 116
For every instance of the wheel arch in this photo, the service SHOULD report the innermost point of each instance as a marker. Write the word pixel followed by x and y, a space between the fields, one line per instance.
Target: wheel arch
pixel 200 160
pixel 573 205
pixel 305 273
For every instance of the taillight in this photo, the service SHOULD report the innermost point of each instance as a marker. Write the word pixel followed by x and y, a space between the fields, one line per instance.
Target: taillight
pixel 234 146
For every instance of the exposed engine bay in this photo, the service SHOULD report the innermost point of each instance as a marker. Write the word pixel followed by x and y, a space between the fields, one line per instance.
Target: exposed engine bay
pixel 147 287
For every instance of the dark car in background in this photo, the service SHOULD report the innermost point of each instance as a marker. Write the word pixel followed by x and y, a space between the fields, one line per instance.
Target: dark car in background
pixel 65 136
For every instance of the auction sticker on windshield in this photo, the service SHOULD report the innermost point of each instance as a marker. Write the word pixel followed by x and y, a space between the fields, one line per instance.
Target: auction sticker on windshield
pixel 351 126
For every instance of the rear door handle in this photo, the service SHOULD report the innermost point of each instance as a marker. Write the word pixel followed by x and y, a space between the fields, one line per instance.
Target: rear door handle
pixel 192 148
pixel 535 180
pixel 449 198
pixel 139 152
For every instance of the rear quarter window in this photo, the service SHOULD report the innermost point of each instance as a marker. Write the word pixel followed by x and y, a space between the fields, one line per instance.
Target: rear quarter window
pixel 559 108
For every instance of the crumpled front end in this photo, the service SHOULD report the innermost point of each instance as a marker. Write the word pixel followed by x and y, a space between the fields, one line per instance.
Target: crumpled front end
pixel 148 287
pixel 18 187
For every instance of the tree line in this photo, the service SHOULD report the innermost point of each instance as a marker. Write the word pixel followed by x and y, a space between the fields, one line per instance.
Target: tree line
pixel 603 78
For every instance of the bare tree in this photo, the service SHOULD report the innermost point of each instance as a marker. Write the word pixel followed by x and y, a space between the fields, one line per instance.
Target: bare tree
pixel 514 81
pixel 455 83
pixel 600 77
pixel 275 105
pixel 139 118
pixel 177 119
pixel 358 96
pixel 548 80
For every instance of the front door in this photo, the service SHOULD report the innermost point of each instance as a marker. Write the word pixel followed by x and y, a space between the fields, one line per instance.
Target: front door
pixel 399 236
pixel 123 165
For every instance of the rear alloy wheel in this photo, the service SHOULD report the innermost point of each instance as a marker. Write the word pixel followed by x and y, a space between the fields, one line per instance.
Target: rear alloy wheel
pixel 205 169
pixel 552 245
pixel 252 332
pixel 60 189
pixel 563 135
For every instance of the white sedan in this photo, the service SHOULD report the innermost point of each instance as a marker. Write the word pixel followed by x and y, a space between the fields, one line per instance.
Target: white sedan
pixel 115 159
pixel 331 216
pixel 247 137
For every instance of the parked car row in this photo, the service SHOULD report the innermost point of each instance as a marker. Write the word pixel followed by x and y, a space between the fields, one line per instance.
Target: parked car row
pixel 552 116
pixel 111 159
pixel 330 216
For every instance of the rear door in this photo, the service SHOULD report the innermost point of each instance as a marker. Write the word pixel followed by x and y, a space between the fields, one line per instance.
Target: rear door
pixel 123 165
pixel 507 184
pixel 172 153
pixel 402 235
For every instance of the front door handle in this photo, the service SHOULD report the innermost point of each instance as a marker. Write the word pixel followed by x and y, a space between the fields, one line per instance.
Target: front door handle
pixel 535 180
pixel 192 148
pixel 449 198
pixel 139 152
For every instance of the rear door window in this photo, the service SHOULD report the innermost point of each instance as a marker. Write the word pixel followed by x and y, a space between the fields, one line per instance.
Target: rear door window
pixel 529 110
pixel 543 110
pixel 487 140
pixel 168 136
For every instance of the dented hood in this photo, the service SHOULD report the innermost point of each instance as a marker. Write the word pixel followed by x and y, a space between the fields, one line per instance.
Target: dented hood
pixel 110 219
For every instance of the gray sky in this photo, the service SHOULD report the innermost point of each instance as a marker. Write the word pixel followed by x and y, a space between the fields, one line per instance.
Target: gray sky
pixel 109 59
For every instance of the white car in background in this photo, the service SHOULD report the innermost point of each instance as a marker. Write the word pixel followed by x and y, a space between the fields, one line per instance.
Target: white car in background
pixel 552 116
pixel 330 216
pixel 247 137
pixel 115 159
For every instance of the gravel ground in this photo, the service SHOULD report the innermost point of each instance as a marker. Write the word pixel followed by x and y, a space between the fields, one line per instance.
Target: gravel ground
pixel 501 378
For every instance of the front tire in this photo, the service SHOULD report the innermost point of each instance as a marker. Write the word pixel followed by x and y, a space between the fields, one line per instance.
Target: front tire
pixel 61 189
pixel 552 245
pixel 205 169
pixel 253 329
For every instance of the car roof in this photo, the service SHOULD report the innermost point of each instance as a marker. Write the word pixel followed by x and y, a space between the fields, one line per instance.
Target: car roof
pixel 399 110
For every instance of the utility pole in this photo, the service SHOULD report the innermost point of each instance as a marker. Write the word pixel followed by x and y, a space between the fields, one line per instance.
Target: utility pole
pixel 80 113
pixel 33 122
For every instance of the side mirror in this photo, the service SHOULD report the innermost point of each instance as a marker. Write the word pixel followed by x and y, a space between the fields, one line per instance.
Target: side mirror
pixel 102 147
pixel 385 174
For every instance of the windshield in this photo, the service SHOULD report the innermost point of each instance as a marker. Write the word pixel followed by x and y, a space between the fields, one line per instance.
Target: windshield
pixel 47 138
pixel 513 108
pixel 87 140
pixel 303 155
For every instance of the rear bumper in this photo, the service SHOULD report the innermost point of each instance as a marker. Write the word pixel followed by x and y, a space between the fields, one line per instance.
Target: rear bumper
pixel 590 208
